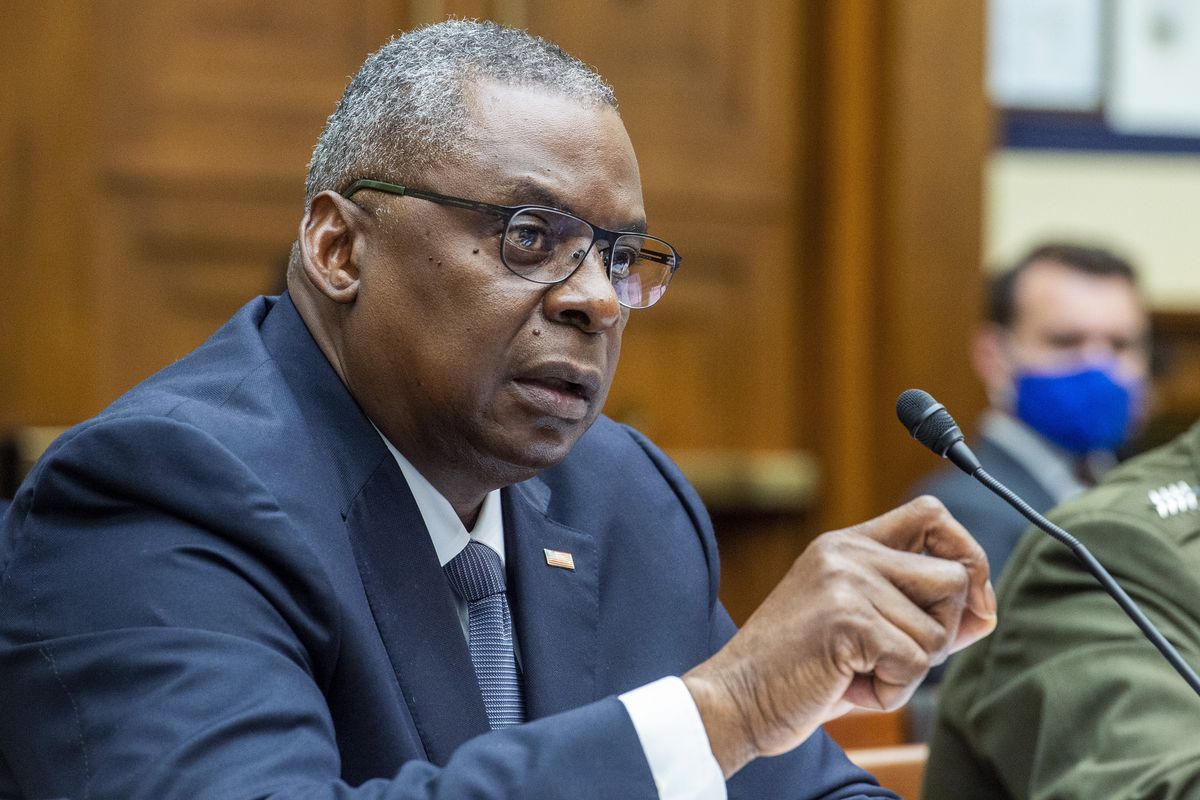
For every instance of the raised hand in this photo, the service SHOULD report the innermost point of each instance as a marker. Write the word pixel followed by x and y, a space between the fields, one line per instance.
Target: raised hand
pixel 858 620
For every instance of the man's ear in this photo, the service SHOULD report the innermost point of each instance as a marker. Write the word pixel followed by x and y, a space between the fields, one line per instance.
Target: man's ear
pixel 328 234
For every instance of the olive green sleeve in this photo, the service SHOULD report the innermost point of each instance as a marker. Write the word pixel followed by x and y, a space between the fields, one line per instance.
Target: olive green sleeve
pixel 1067 699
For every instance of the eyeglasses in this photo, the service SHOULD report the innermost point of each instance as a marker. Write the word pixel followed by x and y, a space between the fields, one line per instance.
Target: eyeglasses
pixel 545 245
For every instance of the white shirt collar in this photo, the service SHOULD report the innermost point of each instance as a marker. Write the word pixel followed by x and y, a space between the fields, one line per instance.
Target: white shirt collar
pixel 1048 464
pixel 446 530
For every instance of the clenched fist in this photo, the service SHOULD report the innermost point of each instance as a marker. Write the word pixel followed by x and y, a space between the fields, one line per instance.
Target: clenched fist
pixel 858 621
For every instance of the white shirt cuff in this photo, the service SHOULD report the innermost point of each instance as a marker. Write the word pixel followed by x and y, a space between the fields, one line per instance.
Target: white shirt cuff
pixel 676 745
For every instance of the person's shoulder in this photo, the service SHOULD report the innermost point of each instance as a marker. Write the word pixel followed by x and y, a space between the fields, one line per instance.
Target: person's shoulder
pixel 227 390
pixel 610 454
pixel 1155 491
pixel 1145 511
pixel 184 418
pixel 208 375
pixel 129 454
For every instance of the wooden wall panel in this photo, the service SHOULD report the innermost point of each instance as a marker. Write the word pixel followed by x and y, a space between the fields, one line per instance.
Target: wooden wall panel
pixel 48 176
pixel 224 93
pixel 844 189
pixel 709 96
pixel 707 369
pixel 1175 398
pixel 901 128
pixel 214 109
pixel 172 266
pixel 934 150
pixel 164 147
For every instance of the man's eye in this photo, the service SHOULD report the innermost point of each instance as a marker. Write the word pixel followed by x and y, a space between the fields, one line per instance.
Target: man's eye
pixel 1128 345
pixel 622 260
pixel 1064 341
pixel 530 236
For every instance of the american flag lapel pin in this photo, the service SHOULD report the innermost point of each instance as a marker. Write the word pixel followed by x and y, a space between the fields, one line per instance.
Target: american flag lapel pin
pixel 557 558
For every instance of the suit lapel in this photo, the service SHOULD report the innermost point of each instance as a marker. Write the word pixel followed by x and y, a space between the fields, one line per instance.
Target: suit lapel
pixel 416 619
pixel 410 599
pixel 556 611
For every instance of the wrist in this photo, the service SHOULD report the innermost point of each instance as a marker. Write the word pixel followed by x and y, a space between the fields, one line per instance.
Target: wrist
pixel 729 734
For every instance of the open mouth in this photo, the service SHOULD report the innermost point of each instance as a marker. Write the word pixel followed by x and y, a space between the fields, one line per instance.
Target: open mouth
pixel 559 391
pixel 559 385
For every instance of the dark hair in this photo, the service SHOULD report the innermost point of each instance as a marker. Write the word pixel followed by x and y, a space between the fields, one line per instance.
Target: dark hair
pixel 1001 303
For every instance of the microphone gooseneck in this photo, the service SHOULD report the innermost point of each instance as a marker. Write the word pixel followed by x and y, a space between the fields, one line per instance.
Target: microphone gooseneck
pixel 931 425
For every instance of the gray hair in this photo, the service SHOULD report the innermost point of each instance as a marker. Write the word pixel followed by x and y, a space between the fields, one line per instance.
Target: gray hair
pixel 404 109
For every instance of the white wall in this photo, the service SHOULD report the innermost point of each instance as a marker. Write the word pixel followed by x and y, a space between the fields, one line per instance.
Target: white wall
pixel 1146 207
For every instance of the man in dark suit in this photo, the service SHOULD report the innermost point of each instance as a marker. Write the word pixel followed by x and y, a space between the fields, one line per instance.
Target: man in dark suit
pixel 1064 357
pixel 374 539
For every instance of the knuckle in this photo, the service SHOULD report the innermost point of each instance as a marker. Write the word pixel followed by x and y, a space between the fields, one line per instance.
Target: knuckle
pixel 960 576
pixel 901 669
pixel 829 551
pixel 930 506
pixel 822 544
pixel 893 700
pixel 908 663
pixel 831 542
pixel 850 649
pixel 846 598
pixel 938 645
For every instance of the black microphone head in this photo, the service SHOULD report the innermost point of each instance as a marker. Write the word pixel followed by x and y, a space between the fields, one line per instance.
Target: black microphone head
pixel 931 424
pixel 927 420
pixel 911 406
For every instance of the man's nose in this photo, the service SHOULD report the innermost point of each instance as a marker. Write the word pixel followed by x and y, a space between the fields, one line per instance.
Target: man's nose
pixel 587 299
pixel 1099 352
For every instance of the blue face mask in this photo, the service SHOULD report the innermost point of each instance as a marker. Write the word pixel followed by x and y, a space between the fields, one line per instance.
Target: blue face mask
pixel 1079 411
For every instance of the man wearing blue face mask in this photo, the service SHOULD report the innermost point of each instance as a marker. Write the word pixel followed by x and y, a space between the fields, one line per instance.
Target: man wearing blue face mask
pixel 1064 358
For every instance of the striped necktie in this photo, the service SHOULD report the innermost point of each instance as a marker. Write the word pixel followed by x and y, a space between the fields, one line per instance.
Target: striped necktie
pixel 478 576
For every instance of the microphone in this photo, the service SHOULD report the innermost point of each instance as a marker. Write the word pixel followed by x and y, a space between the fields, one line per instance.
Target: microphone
pixel 930 423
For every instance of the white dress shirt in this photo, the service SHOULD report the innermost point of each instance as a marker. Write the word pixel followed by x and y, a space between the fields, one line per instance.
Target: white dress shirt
pixel 663 712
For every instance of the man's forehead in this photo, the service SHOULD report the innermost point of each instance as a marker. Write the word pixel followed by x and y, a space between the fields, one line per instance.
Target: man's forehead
pixel 528 190
pixel 532 145
pixel 1048 281
pixel 1055 296
pixel 485 94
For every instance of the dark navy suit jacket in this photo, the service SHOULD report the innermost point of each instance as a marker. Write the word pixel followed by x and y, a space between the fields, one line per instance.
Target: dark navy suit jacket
pixel 221 587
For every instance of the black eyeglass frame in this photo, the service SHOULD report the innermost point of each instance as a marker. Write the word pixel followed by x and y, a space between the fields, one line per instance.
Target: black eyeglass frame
pixel 672 259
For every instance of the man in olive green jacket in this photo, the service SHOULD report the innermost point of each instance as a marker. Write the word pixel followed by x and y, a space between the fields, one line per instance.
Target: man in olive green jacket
pixel 1067 699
